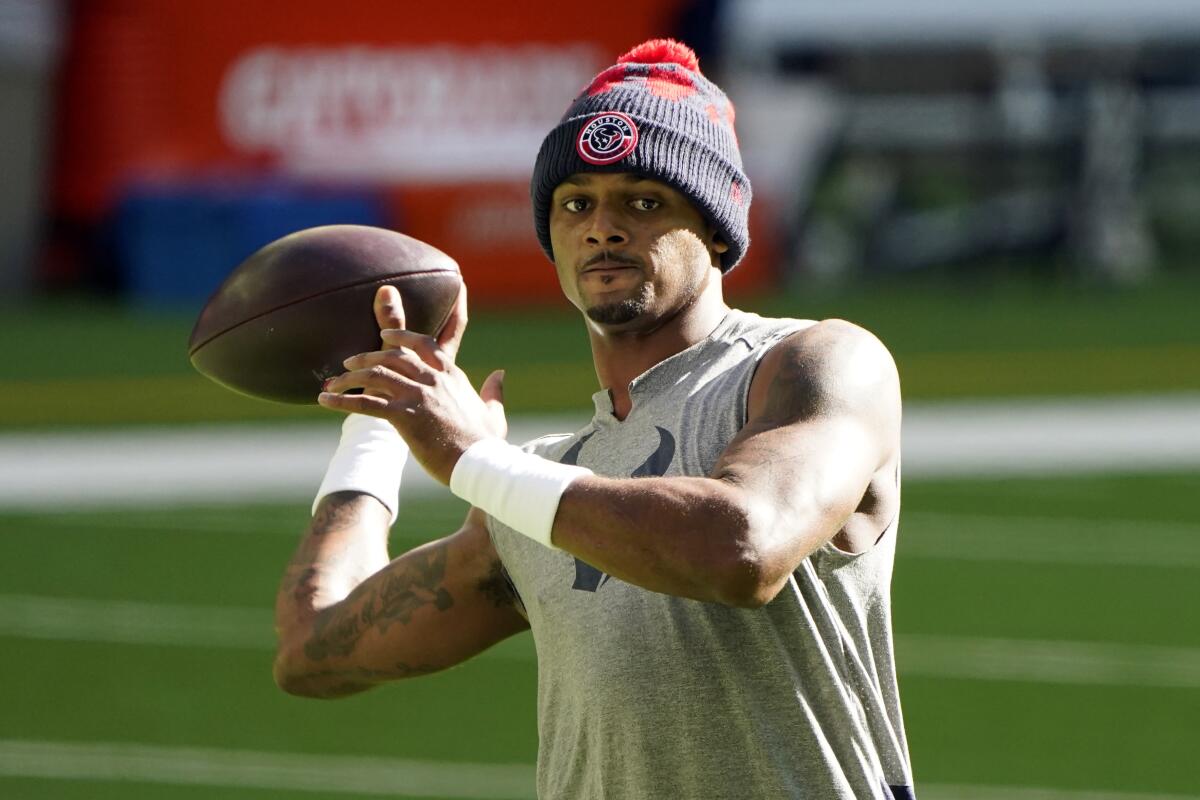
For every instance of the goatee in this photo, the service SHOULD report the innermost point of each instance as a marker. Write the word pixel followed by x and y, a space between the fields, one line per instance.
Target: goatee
pixel 622 311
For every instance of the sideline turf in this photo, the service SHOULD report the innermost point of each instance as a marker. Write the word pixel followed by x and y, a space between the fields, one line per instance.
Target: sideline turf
pixel 1108 737
pixel 85 363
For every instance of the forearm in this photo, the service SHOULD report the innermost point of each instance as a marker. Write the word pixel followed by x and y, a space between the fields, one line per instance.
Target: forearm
pixel 345 544
pixel 686 536
pixel 429 608
pixel 690 536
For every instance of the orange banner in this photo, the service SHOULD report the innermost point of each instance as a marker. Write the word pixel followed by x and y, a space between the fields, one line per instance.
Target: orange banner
pixel 439 107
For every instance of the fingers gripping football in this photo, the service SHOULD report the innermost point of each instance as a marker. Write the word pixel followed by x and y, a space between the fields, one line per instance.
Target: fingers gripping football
pixel 416 385
pixel 389 308
pixel 427 348
pixel 386 373
pixel 437 412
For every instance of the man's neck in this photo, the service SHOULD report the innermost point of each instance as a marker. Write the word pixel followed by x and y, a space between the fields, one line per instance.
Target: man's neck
pixel 621 356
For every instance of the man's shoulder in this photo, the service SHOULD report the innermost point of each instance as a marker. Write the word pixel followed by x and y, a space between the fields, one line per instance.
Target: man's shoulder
pixel 831 361
pixel 834 342
pixel 828 343
pixel 760 332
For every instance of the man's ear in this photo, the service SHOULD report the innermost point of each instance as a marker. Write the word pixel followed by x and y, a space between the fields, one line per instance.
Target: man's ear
pixel 717 243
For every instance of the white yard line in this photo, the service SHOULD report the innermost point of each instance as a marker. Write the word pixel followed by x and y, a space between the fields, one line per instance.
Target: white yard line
pixel 947 791
pixel 1030 437
pixel 194 766
pixel 244 462
pixel 70 619
pixel 202 464
pixel 123 622
pixel 960 657
pixel 370 777
pixel 1048 661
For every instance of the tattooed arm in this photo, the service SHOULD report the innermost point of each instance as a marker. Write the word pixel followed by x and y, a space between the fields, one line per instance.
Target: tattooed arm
pixel 349 619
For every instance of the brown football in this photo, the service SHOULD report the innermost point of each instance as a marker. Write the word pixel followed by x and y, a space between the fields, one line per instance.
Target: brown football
pixel 286 318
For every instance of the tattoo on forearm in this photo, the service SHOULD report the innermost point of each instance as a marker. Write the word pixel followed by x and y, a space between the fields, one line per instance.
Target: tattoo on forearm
pixel 495 586
pixel 303 575
pixel 338 510
pixel 312 559
pixel 303 587
pixel 410 586
pixel 357 679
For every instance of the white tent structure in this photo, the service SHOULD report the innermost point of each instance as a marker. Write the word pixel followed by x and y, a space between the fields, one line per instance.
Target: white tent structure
pixel 887 76
pixel 757 28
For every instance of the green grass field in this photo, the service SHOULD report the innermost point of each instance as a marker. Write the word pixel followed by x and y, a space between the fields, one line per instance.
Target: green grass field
pixel 151 628
pixel 1047 632
pixel 84 364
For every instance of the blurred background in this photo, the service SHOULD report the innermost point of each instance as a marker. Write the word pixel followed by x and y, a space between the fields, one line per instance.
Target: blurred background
pixel 1007 194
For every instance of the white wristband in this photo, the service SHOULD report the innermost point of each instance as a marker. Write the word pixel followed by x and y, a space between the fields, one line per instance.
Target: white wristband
pixel 369 459
pixel 518 488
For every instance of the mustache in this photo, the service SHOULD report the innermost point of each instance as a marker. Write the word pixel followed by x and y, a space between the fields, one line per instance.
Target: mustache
pixel 611 257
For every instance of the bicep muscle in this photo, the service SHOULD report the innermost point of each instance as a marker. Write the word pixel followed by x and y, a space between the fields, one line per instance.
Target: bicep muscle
pixel 824 418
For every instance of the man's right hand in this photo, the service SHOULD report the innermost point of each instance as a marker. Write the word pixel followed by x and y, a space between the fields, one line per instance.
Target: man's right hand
pixel 349 617
pixel 418 388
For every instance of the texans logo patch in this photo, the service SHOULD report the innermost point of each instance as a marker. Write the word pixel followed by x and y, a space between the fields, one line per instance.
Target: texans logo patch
pixel 607 138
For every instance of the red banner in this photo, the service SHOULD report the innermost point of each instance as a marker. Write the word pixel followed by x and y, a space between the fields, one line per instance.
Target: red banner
pixel 441 106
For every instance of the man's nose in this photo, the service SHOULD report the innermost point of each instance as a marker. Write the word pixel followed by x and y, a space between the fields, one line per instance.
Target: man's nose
pixel 606 228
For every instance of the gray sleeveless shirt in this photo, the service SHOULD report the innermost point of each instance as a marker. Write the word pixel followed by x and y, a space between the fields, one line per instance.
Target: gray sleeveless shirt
pixel 643 695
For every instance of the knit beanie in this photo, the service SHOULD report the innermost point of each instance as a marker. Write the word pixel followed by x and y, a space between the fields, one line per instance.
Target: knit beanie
pixel 654 114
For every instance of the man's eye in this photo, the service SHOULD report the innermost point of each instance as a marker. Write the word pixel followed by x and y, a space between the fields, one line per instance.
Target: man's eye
pixel 646 204
pixel 574 204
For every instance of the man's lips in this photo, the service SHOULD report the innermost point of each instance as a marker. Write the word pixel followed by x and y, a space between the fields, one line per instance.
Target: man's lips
pixel 608 264
pixel 608 267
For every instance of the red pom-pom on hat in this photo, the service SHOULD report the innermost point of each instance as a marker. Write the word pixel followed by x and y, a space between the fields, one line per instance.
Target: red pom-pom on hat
pixel 662 51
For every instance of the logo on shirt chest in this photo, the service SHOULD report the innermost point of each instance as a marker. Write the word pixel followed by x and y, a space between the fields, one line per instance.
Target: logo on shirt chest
pixel 587 577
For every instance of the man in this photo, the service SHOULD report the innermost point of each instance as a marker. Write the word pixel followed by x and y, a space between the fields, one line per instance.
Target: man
pixel 706 565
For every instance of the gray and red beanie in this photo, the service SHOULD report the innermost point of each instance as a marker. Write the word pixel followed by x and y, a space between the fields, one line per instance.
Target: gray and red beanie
pixel 654 114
